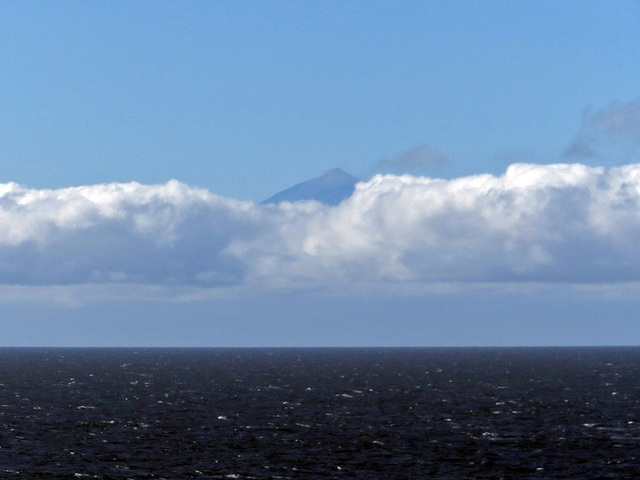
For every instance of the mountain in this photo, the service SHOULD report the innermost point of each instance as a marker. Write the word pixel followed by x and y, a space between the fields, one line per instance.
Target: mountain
pixel 330 188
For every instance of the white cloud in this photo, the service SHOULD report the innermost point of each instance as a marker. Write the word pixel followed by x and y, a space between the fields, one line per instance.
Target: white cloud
pixel 166 234
pixel 555 223
pixel 536 223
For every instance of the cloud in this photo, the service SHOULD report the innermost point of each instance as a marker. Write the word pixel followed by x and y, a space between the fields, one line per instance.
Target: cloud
pixel 611 131
pixel 540 223
pixel 417 159
pixel 166 234
pixel 567 223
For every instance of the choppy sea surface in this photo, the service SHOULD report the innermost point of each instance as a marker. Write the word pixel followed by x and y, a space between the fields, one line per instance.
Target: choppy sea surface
pixel 373 413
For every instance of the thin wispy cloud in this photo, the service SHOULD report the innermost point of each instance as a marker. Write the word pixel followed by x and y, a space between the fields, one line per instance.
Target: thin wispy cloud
pixel 536 223
pixel 613 130
pixel 418 159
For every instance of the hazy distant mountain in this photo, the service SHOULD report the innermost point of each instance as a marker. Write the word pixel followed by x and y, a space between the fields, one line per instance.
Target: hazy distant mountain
pixel 330 188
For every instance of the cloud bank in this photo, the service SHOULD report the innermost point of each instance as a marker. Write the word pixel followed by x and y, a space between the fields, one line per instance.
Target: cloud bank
pixel 536 223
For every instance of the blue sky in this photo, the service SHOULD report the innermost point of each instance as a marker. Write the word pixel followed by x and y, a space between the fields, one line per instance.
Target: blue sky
pixel 239 100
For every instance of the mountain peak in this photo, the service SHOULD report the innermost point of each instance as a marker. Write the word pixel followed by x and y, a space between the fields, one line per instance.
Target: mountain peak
pixel 331 188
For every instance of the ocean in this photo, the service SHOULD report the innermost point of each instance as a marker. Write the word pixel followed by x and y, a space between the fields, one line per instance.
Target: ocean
pixel 366 413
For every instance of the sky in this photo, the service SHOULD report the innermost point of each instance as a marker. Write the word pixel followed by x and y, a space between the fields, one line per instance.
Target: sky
pixel 497 143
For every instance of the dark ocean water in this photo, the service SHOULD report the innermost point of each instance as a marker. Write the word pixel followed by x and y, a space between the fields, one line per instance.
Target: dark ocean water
pixel 320 413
